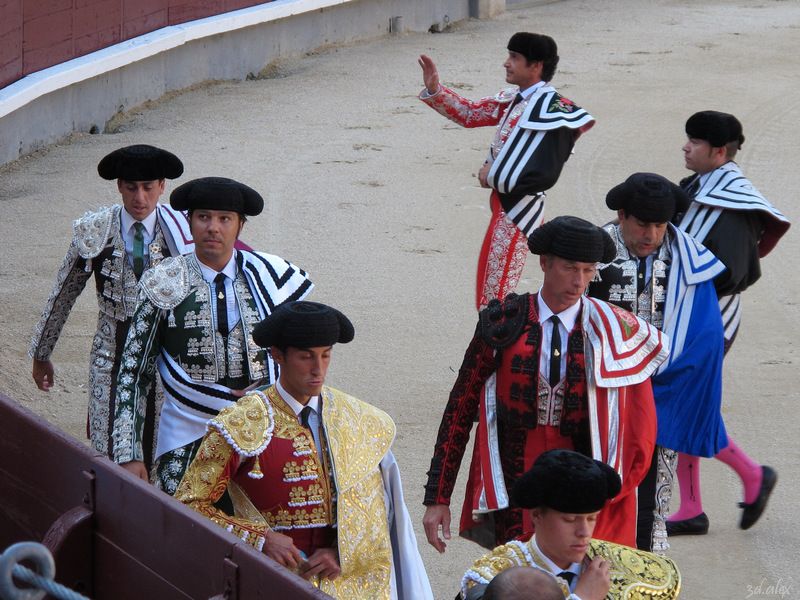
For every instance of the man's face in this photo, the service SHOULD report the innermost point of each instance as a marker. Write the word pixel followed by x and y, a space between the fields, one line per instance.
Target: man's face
pixel 641 238
pixel 563 537
pixel 140 197
pixel 303 370
pixel 519 73
pixel 564 281
pixel 214 232
pixel 701 157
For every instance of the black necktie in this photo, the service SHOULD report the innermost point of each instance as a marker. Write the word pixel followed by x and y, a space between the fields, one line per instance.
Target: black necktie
pixel 222 304
pixel 138 250
pixel 568 576
pixel 693 187
pixel 517 99
pixel 641 277
pixel 555 353
pixel 305 414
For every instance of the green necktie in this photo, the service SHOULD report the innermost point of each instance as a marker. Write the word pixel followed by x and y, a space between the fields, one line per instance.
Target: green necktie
pixel 138 250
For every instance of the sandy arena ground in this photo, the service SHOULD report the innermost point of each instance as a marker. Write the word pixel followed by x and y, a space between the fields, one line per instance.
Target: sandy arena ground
pixel 376 196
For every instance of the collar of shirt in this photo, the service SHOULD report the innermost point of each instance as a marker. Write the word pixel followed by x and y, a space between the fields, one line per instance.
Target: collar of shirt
pixel 230 269
pixel 704 177
pixel 573 568
pixel 127 222
pixel 567 316
pixel 528 92
pixel 294 404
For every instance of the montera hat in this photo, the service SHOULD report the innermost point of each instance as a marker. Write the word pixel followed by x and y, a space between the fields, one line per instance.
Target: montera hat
pixel 568 482
pixel 573 238
pixel 717 128
pixel 217 193
pixel 535 47
pixel 140 163
pixel 648 197
pixel 303 324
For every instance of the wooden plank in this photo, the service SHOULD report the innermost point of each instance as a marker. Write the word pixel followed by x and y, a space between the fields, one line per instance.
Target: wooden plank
pixel 138 543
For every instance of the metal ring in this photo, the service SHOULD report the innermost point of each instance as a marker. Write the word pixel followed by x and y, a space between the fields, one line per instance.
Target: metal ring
pixel 43 564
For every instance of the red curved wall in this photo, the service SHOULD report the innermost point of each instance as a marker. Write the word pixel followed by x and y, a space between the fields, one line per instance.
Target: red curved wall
pixel 36 34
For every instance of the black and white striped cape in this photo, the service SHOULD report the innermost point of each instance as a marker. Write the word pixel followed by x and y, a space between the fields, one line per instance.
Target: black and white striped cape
pixel 534 155
pixel 726 188
pixel 188 404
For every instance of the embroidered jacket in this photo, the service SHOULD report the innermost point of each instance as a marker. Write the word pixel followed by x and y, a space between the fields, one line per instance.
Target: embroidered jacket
pixel 635 574
pixel 173 327
pixel 607 410
pixel 532 142
pixel 681 301
pixel 98 249
pixel 359 436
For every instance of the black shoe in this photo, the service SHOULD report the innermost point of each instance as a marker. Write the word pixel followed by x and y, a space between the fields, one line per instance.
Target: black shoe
pixel 753 510
pixel 695 526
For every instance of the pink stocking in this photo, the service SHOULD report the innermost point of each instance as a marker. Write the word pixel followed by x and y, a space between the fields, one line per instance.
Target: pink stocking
pixel 749 472
pixel 688 472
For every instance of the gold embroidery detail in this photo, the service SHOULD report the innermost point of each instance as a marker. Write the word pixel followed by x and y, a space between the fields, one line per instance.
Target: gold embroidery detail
pixel 635 574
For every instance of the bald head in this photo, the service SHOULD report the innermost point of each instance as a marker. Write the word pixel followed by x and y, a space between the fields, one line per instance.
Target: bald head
pixel 523 583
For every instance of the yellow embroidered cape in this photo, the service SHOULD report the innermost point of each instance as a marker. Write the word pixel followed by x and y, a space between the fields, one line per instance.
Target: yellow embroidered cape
pixel 635 574
pixel 359 436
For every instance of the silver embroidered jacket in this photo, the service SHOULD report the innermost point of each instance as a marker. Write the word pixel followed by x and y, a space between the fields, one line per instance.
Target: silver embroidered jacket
pixel 615 282
pixel 98 249
pixel 173 329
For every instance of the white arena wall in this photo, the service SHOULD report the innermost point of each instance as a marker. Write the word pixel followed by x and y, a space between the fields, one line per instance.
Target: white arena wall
pixel 81 95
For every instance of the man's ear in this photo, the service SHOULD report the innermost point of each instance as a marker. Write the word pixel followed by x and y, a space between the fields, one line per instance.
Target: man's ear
pixel 720 154
pixel 535 515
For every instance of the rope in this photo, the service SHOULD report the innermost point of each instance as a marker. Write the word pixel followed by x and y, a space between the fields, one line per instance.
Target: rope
pixel 41 581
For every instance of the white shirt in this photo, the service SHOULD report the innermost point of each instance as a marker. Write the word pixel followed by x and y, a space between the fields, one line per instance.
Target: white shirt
pixel 648 272
pixel 127 228
pixel 528 92
pixel 567 320
pixel 555 569
pixel 209 275
pixel 313 403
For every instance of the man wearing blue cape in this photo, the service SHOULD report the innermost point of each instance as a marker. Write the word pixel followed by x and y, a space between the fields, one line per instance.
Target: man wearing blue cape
pixel 665 277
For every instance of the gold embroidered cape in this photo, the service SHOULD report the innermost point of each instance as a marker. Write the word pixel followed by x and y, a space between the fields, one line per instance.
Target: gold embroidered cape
pixel 635 574
pixel 359 437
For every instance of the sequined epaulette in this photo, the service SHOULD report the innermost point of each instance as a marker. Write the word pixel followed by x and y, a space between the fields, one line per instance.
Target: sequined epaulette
pixel 247 426
pixel 167 284
pixel 506 96
pixel 501 323
pixel 92 231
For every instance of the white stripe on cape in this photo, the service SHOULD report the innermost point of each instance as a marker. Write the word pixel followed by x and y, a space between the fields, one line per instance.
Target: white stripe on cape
pixel 272 281
pixel 528 133
pixel 613 359
pixel 692 263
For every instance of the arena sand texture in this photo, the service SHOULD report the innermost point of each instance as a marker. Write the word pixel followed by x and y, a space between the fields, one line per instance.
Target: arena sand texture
pixel 377 197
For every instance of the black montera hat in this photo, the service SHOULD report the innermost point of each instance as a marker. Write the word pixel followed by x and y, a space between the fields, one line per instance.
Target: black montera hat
pixel 568 482
pixel 140 163
pixel 303 324
pixel 534 47
pixel 572 238
pixel 648 197
pixel 717 128
pixel 216 193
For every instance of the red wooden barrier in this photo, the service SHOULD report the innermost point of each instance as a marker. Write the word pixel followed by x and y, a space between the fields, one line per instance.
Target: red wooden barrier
pixel 36 34
pixel 114 536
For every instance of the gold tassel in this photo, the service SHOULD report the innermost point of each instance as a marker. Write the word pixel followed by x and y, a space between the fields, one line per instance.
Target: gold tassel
pixel 256 472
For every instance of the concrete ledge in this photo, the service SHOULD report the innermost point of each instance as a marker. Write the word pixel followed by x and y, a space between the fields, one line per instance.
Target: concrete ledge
pixel 84 93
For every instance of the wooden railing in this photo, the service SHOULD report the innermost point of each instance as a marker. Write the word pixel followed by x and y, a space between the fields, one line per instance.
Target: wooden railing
pixel 36 34
pixel 114 536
